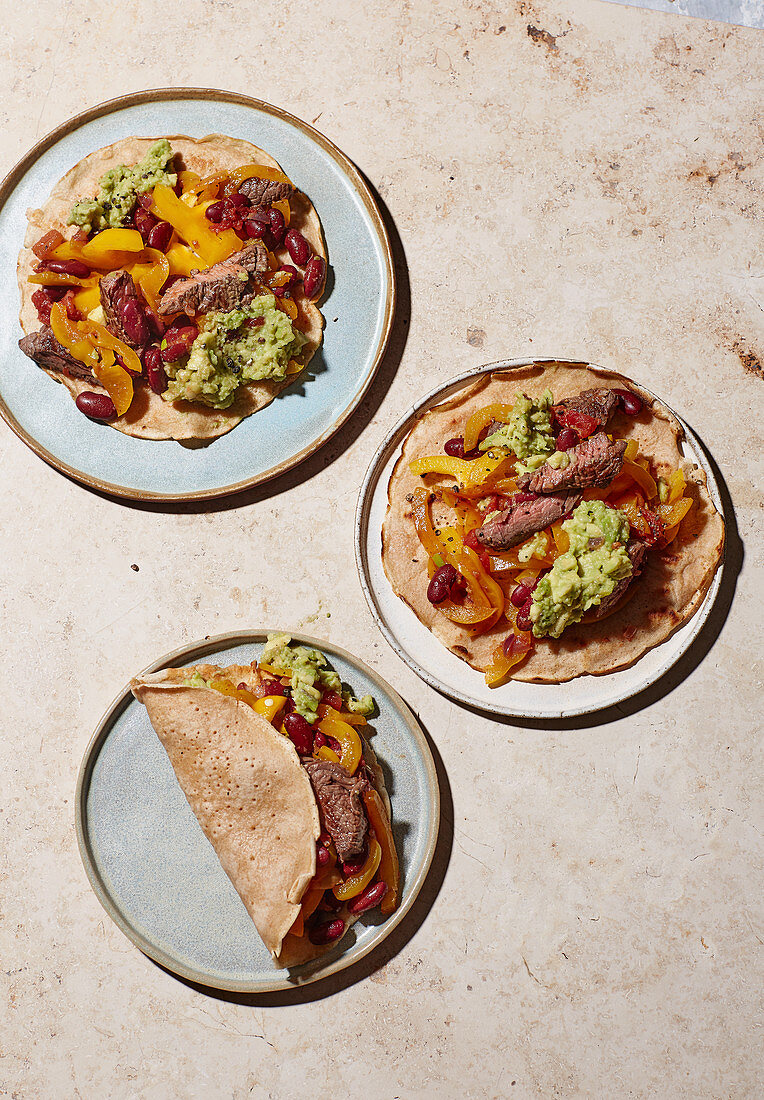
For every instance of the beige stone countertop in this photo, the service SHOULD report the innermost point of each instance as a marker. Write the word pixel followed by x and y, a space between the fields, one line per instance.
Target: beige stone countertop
pixel 575 179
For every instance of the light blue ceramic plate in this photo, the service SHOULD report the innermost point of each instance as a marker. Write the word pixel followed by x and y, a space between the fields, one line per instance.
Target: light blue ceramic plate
pixel 157 875
pixel 358 308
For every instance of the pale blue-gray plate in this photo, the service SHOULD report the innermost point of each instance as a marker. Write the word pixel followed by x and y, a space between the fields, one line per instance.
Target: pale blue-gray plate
pixel 358 307
pixel 157 875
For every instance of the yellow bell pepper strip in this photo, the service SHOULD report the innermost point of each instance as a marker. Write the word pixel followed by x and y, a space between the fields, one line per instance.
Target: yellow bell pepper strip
pixel 325 753
pixel 354 884
pixel 109 241
pixel 501 664
pixel 53 278
pixel 422 521
pixel 293 367
pixel 183 260
pixel 192 226
pixel 492 590
pixel 388 867
pixel 102 338
pixel 676 484
pixel 480 419
pixel 352 719
pixel 671 515
pixel 348 739
pixel 194 189
pixel 642 478
pixel 270 706
pixel 70 337
pixel 632 450
pixel 631 505
pixel 87 299
pixel 457 468
pixel 150 277
pixel 115 380
pixel 225 687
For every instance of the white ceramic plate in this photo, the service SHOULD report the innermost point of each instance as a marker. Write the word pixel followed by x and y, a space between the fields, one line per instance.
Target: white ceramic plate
pixel 440 668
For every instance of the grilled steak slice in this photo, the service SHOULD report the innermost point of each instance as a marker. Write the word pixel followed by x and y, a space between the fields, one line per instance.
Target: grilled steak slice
pixel 593 464
pixel 222 287
pixel 339 799
pixel 597 403
pixel 115 288
pixel 524 517
pixel 262 192
pixel 636 549
pixel 46 351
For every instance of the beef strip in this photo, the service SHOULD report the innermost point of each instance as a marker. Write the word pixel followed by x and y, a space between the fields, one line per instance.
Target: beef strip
pixel 599 403
pixel 46 351
pixel 636 549
pixel 339 799
pixel 593 464
pixel 114 288
pixel 222 287
pixel 524 517
pixel 261 192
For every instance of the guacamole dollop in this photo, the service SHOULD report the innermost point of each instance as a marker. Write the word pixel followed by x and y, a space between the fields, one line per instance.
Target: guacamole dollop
pixel 249 344
pixel 119 188
pixel 310 674
pixel 528 432
pixel 584 576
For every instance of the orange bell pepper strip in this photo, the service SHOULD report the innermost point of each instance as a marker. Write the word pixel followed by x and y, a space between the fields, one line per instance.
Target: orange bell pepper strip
pixel 310 902
pixel 192 226
pixel 642 478
pixel 389 871
pixel 501 665
pixel 671 515
pixel 348 739
pixel 420 507
pixel 115 380
pixel 480 419
pixel 151 277
pixel 352 886
pixel 325 753
pixel 676 484
pixel 283 207
pixel 52 278
pixel 352 719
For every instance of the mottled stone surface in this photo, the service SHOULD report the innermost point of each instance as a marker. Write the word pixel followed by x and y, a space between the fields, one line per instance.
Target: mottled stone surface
pixel 580 180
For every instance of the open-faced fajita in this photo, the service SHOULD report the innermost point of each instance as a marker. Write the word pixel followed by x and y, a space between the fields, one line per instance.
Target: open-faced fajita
pixel 543 523
pixel 171 284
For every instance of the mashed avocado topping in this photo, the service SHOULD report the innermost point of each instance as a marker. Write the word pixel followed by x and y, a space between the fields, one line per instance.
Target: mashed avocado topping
pixel 534 547
pixel 119 188
pixel 249 344
pixel 310 674
pixel 584 576
pixel 529 429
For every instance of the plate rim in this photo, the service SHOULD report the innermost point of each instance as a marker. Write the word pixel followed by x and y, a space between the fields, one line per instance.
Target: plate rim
pixel 198 649
pixel 132 99
pixel 389 445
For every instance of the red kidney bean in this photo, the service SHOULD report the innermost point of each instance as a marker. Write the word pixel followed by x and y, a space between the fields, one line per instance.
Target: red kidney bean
pixel 332 699
pixel 214 213
pixel 298 247
pixel 455 448
pixel 300 733
pixel 442 582
pixel 237 199
pixel 260 214
pixel 133 321
pixel 322 856
pixel 524 617
pixel 631 403
pixel 277 223
pixel 508 645
pixel 520 595
pixel 355 863
pixel 270 687
pixel 253 229
pixel 333 744
pixel 319 740
pixel 368 898
pixel 152 361
pixel 566 439
pixel 313 279
pixel 159 236
pixel 327 932
pixel 44 298
pixel 71 309
pixel 177 342
pixel 98 406
pixel 144 220
pixel 66 267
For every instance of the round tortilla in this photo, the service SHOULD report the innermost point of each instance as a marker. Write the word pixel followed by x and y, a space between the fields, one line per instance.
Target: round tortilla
pixel 666 594
pixel 149 416
pixel 250 794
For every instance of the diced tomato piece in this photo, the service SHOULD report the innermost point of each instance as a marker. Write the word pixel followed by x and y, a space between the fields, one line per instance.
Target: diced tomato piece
pixel 332 699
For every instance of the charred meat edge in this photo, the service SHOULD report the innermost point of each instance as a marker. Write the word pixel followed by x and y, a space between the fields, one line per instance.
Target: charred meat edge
pixel 524 517
pixel 44 348
pixel 219 288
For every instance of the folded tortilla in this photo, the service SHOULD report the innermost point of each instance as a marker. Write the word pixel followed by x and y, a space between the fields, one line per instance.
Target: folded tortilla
pixel 250 794
pixel 671 587
pixel 149 416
